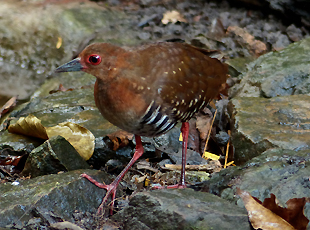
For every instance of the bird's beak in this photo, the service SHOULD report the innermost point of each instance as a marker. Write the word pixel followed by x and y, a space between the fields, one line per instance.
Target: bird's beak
pixel 71 66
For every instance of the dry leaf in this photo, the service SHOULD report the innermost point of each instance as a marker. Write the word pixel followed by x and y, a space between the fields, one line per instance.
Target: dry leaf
pixel 141 179
pixel 79 137
pixel 29 126
pixel 208 155
pixel 172 16
pixel 144 164
pixel 246 39
pixel 297 218
pixel 8 105
pixel 261 217
pixel 120 139
pixel 293 214
pixel 59 42
pixel 65 225
pixel 204 124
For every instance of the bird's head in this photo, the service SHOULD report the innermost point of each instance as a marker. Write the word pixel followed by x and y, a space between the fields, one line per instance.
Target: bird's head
pixel 95 59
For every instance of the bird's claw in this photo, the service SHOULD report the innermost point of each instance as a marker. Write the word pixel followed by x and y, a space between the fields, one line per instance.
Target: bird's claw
pixel 111 190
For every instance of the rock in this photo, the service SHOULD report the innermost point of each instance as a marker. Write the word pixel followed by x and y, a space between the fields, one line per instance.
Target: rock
pixel 55 155
pixel 279 73
pixel 288 9
pixel 57 108
pixel 35 38
pixel 56 194
pixel 181 209
pixel 17 144
pixel 259 124
pixel 282 172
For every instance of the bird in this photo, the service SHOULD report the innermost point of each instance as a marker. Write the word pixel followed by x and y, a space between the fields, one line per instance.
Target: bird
pixel 146 90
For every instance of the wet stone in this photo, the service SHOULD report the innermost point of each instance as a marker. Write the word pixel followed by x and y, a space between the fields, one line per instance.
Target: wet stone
pixel 259 124
pixel 53 156
pixel 283 172
pixel 180 209
pixel 50 197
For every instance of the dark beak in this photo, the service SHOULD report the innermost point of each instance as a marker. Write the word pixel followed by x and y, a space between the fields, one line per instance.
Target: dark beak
pixel 71 66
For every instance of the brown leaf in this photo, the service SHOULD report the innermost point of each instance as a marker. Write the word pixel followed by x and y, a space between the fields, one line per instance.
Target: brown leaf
pixel 261 217
pixel 296 215
pixel 203 124
pixel 293 214
pixel 120 139
pixel 248 40
pixel 144 164
pixel 8 105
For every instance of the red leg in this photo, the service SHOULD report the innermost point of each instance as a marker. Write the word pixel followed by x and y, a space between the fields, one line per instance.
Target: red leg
pixel 181 184
pixel 111 188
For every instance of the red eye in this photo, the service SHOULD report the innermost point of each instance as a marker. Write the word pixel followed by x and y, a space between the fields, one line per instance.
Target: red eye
pixel 94 59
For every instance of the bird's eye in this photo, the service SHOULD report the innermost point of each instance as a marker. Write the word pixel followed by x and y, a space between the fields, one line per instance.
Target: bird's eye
pixel 94 59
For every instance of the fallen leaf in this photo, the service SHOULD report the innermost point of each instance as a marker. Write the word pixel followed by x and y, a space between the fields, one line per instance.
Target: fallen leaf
pixel 260 216
pixel 120 139
pixel 296 213
pixel 293 214
pixel 208 155
pixel 141 179
pixel 143 164
pixel 204 124
pixel 59 43
pixel 79 137
pixel 8 105
pixel 217 30
pixel 248 40
pixel 29 126
pixel 65 225
pixel 173 17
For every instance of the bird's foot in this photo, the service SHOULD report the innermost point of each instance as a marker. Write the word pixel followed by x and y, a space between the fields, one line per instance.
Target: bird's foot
pixel 111 190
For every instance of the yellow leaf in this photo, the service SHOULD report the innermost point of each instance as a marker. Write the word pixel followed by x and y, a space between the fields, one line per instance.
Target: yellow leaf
pixel 181 137
pixel 29 126
pixel 147 182
pixel 79 137
pixel 59 43
pixel 208 155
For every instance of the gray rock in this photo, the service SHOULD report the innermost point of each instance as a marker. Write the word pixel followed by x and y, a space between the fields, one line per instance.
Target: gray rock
pixel 60 194
pixel 28 49
pixel 55 155
pixel 181 209
pixel 259 124
pixel 279 73
pixel 282 172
